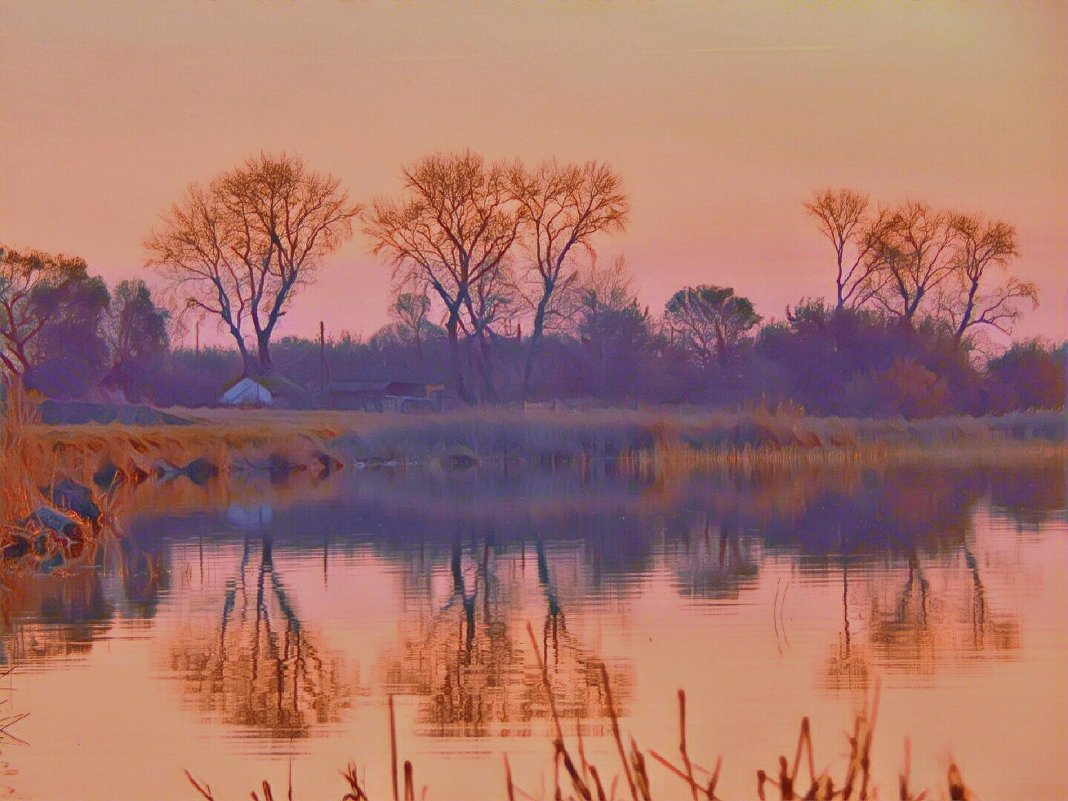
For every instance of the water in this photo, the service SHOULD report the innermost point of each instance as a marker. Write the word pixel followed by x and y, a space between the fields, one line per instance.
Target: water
pixel 249 631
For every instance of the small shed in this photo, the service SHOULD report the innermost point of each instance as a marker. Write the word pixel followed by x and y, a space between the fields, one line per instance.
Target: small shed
pixel 384 389
pixel 246 393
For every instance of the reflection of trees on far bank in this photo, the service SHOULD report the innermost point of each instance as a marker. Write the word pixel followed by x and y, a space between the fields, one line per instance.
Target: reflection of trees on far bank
pixel 484 551
pixel 465 650
pixel 711 559
pixel 906 531
pixel 253 663
pixel 916 617
pixel 1031 495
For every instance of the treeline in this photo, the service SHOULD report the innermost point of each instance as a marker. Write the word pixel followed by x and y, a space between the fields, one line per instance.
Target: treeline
pixel 64 333
pixel 846 363
pixel 498 294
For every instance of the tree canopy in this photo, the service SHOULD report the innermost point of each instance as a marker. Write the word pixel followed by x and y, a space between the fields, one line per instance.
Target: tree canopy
pixel 242 247
pixel 710 321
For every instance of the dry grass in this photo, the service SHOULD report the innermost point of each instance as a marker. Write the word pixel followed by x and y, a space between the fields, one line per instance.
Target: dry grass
pixel 31 470
pixel 19 457
pixel 656 440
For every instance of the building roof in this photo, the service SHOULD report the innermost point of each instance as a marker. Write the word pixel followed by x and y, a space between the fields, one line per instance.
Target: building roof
pixel 359 386
pixel 377 378
pixel 247 392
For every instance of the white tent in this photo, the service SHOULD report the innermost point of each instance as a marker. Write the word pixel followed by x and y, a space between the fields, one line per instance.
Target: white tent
pixel 247 392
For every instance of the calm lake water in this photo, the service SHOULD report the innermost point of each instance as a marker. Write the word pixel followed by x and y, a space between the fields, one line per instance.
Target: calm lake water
pixel 246 630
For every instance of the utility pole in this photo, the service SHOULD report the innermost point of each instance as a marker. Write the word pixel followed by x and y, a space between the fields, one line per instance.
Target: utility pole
pixel 322 357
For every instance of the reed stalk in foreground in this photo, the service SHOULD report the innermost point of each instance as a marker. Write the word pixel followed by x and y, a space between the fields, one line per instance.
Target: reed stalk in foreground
pixel 587 782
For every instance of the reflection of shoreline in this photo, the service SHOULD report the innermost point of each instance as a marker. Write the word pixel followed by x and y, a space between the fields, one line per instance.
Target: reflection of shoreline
pixel 826 510
pixel 60 614
pixel 538 545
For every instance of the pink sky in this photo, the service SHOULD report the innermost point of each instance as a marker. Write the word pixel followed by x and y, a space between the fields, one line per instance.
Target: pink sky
pixel 721 118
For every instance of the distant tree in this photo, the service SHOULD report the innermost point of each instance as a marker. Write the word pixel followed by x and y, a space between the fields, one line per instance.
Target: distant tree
pixel 74 312
pixel 241 248
pixel 983 249
pixel 137 335
pixel 904 388
pixel 915 251
pixel 845 218
pixel 1030 375
pixel 609 287
pixel 616 333
pixel 32 286
pixel 709 321
pixel 564 206
pixel 70 353
pixel 410 310
pixel 453 229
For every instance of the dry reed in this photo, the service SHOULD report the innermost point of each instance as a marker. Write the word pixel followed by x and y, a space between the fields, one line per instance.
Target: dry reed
pixel 645 441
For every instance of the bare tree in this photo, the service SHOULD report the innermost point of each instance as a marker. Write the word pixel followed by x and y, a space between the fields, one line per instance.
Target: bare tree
pixel 410 309
pixel 915 251
pixel 610 287
pixel 241 248
pixel 453 227
pixel 845 217
pixel 984 247
pixel 191 253
pixel 27 279
pixel 564 207
pixel 490 302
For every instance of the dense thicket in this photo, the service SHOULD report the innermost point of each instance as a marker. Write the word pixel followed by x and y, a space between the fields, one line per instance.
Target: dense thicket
pixel 824 362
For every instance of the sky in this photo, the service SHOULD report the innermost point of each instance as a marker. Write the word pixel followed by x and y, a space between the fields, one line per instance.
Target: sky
pixel 721 117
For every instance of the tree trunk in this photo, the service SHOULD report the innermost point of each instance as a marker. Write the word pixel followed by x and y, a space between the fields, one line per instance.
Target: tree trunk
pixel 452 327
pixel 247 362
pixel 535 341
pixel 721 346
pixel 263 346
pixel 486 367
pixel 969 309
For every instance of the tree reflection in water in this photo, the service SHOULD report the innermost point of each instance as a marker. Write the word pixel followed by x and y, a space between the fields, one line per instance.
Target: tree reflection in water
pixel 469 657
pixel 712 559
pixel 920 588
pixel 919 599
pixel 259 666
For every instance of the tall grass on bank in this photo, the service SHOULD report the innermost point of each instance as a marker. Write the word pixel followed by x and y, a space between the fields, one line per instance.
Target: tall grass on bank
pixel 576 778
pixel 42 517
pixel 20 456
pixel 646 439
pixel 678 436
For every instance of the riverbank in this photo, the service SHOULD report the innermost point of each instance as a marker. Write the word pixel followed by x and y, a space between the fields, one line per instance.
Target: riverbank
pixel 282 441
pixel 73 467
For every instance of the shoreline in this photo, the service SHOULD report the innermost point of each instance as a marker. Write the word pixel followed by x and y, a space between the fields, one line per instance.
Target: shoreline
pixel 461 439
